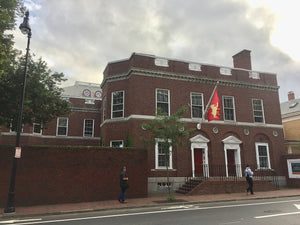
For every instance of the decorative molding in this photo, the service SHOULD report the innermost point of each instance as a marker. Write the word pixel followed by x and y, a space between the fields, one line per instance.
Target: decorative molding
pixel 185 77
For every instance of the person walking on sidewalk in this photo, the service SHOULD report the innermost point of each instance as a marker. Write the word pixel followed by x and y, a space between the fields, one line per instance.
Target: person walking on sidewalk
pixel 249 176
pixel 123 184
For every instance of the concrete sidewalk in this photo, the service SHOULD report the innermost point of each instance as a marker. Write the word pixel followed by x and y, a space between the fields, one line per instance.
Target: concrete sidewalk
pixel 158 200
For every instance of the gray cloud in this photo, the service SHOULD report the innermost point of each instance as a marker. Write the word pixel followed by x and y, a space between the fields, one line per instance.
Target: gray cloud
pixel 79 37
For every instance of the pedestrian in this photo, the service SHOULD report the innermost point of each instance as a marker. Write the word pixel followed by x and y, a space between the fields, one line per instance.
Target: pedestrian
pixel 249 176
pixel 123 184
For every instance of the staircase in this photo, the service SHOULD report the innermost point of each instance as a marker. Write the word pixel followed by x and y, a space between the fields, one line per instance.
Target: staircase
pixel 189 185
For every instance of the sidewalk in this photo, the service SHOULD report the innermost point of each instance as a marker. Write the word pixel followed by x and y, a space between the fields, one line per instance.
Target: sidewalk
pixel 144 202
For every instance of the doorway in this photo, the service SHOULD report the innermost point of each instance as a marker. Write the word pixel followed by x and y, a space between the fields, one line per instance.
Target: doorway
pixel 231 166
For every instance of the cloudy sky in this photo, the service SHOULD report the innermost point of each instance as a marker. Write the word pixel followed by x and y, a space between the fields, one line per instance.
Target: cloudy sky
pixel 79 37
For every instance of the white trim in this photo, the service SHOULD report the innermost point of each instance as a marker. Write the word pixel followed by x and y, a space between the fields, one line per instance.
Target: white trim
pixel 157 167
pixel 195 120
pixel 156 89
pixel 233 102
pixel 111 105
pixel 257 154
pixel 67 126
pixel 200 141
pixel 262 109
pixel 93 128
pixel 202 99
pixel 120 146
pixel 233 143
pixel 289 165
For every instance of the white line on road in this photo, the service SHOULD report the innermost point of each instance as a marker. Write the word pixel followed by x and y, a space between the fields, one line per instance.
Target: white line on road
pixel 19 221
pixel 274 215
pixel 156 212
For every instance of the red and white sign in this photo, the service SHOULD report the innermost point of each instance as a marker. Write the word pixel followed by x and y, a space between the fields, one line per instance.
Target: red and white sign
pixel 18 152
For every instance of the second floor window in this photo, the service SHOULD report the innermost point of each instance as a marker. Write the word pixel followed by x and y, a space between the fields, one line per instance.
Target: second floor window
pixel 197 105
pixel 117 106
pixel 163 100
pixel 62 126
pixel 88 130
pixel 228 107
pixel 258 111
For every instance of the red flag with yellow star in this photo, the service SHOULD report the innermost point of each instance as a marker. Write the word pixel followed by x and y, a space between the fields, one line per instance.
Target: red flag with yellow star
pixel 214 108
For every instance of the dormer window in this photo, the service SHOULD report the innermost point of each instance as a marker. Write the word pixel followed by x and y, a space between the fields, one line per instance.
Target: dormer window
pixel 161 62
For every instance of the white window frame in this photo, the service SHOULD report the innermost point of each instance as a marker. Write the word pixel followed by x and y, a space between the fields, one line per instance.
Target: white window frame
pixel 262 109
pixel 38 124
pixel 103 108
pixel 92 128
pixel 156 102
pixel 120 145
pixel 112 105
pixel 233 103
pixel 67 126
pixel 202 100
pixel 157 140
pixel 257 144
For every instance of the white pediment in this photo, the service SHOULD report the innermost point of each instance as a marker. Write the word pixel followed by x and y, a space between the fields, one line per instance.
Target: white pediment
pixel 199 139
pixel 231 140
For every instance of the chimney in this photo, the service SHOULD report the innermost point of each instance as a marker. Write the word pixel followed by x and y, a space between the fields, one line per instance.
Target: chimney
pixel 291 95
pixel 242 60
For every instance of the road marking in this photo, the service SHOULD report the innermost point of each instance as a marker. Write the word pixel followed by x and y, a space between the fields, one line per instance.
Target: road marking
pixel 19 221
pixel 274 215
pixel 157 212
pixel 297 206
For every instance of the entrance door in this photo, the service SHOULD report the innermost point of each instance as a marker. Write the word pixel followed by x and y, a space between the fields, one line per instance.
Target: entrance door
pixel 231 162
pixel 198 160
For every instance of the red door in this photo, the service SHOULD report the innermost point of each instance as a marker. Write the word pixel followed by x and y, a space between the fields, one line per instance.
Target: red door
pixel 231 163
pixel 198 160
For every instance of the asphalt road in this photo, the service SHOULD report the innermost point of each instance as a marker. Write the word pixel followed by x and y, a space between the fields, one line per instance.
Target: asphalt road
pixel 279 211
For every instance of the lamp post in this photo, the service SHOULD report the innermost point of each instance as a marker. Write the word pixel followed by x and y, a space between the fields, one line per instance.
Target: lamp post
pixel 10 207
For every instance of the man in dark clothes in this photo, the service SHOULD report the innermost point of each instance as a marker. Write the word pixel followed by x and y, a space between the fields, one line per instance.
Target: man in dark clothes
pixel 123 184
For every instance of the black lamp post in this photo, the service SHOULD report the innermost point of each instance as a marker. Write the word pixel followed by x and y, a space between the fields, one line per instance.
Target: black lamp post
pixel 10 207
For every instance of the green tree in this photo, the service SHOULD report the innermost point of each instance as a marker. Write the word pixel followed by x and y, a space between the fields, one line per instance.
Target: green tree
pixel 171 132
pixel 43 100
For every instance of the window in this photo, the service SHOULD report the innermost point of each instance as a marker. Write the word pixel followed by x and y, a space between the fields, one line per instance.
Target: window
pixel 62 126
pixel 162 100
pixel 228 108
pixel 37 128
pixel 197 105
pixel 90 101
pixel 88 130
pixel 194 67
pixel 163 157
pixel 262 156
pixel 104 109
pixel 117 104
pixel 13 126
pixel 258 112
pixel 116 144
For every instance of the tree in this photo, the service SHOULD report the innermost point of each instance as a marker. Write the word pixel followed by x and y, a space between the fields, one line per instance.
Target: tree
pixel 43 96
pixel 170 132
pixel 43 100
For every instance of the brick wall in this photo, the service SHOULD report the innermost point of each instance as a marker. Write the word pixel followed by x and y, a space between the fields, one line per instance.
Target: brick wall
pixel 51 175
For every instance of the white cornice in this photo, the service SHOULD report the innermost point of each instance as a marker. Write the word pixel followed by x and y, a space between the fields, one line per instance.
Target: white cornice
pixel 189 120
pixel 185 77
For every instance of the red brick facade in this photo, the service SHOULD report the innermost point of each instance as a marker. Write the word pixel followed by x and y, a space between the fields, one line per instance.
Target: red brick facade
pixel 140 76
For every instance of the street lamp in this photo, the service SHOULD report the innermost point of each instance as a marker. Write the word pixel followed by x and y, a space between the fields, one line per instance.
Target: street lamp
pixel 10 207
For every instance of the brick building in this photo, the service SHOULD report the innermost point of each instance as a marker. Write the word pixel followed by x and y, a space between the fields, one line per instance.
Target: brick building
pixel 79 128
pixel 249 131
pixel 290 112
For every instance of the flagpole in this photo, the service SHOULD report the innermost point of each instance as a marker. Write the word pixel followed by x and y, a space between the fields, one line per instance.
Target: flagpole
pixel 207 106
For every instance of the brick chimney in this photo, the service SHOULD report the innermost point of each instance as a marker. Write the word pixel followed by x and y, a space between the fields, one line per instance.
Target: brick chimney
pixel 291 95
pixel 242 60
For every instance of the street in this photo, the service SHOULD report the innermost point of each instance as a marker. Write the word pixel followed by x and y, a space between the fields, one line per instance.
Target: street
pixel 279 211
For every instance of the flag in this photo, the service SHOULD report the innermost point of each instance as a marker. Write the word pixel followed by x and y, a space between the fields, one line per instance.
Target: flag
pixel 214 108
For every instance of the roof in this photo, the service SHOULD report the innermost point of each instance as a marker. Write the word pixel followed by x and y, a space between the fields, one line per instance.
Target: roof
pixel 83 90
pixel 291 107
